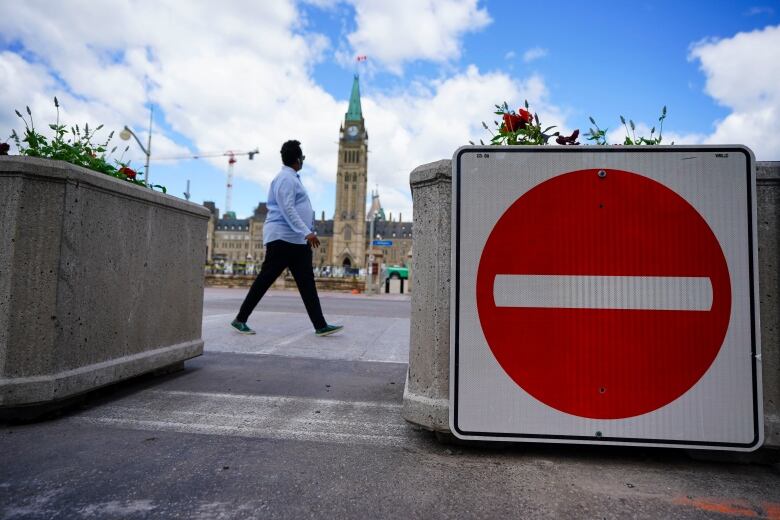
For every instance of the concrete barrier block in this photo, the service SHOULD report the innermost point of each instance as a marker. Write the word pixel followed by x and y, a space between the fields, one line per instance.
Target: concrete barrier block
pixel 768 195
pixel 426 396
pixel 100 280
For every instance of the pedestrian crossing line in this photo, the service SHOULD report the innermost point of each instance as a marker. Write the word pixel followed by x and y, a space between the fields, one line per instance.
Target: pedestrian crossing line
pixel 256 416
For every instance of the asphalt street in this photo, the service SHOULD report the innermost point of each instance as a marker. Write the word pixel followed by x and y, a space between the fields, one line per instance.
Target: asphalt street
pixel 287 425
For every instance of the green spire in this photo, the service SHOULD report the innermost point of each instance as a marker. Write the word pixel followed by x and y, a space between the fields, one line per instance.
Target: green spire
pixel 354 112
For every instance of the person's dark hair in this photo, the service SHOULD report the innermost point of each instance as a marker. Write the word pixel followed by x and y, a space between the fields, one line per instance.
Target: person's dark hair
pixel 291 152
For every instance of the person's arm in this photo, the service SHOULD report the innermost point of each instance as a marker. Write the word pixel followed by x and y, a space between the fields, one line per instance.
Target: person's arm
pixel 285 197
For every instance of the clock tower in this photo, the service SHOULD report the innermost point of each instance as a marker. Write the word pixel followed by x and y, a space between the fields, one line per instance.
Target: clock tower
pixel 349 222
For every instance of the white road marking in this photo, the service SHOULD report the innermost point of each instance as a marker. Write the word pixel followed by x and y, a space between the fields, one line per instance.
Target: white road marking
pixel 258 416
pixel 603 292
pixel 219 316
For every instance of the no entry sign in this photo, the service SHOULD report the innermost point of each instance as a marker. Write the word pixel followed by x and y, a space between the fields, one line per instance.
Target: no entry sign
pixel 605 295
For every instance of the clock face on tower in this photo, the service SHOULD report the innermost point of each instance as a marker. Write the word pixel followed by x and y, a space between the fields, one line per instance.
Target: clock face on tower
pixel 352 131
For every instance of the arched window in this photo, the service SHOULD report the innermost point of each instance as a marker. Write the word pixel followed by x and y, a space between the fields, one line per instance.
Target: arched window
pixel 347 233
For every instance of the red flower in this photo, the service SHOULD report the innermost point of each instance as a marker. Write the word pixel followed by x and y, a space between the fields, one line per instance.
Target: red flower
pixel 515 122
pixel 129 172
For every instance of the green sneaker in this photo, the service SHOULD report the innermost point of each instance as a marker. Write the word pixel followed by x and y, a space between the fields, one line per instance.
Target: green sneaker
pixel 327 330
pixel 241 327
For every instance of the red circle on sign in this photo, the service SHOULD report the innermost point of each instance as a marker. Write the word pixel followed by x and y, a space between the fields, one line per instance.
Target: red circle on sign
pixel 595 362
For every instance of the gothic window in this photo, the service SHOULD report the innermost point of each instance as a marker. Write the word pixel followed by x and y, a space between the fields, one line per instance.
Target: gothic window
pixel 357 157
pixel 348 233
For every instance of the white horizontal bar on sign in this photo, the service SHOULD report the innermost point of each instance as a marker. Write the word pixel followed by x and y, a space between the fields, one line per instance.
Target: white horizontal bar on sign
pixel 668 293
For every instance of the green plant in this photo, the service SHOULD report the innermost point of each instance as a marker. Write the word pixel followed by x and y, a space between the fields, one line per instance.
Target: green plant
pixel 523 128
pixel 599 135
pixel 75 146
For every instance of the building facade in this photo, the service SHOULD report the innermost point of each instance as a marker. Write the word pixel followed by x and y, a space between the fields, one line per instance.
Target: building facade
pixel 345 240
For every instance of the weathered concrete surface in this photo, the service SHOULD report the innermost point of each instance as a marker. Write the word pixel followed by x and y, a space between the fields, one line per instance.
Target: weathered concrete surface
pixel 768 194
pixel 426 394
pixel 100 280
pixel 426 397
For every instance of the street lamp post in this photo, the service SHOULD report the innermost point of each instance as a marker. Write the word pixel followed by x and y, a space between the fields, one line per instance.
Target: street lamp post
pixel 125 135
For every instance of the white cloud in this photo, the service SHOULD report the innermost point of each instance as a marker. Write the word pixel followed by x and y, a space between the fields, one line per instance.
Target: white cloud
pixel 409 130
pixel 618 134
pixel 401 31
pixel 534 54
pixel 229 78
pixel 759 10
pixel 240 77
pixel 743 74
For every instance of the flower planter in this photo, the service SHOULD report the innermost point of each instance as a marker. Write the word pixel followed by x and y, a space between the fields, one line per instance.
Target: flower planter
pixel 100 280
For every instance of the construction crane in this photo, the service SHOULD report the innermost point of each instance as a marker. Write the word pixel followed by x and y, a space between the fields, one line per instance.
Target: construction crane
pixel 230 154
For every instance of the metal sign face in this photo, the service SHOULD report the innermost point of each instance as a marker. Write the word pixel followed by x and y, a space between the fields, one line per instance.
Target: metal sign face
pixel 606 295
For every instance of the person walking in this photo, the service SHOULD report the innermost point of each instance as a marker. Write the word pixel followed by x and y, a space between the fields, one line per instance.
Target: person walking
pixel 289 237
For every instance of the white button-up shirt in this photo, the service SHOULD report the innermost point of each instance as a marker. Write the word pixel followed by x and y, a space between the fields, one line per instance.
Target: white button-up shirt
pixel 290 215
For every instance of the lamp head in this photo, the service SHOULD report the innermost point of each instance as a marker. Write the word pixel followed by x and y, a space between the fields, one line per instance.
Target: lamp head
pixel 125 134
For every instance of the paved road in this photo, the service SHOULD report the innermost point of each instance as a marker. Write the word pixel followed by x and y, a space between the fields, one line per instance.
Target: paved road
pixel 287 425
pixel 375 328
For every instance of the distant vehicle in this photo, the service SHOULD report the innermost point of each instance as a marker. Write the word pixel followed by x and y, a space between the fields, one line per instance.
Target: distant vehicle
pixel 396 271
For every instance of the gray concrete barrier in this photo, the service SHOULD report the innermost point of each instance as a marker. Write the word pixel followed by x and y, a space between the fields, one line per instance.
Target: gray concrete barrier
pixel 100 280
pixel 426 395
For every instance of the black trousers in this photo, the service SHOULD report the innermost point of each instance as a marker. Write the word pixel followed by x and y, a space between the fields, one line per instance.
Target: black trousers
pixel 280 255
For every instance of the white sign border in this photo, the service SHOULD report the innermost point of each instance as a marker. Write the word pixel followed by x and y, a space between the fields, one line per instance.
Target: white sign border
pixel 757 392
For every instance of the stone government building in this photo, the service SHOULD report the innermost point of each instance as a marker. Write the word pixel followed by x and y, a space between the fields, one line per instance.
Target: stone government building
pixel 345 239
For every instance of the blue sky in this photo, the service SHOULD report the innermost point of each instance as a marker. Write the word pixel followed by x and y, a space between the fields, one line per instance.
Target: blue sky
pixel 253 74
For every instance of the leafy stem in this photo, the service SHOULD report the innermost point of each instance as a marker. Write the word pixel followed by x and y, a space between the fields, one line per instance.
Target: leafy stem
pixel 74 146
